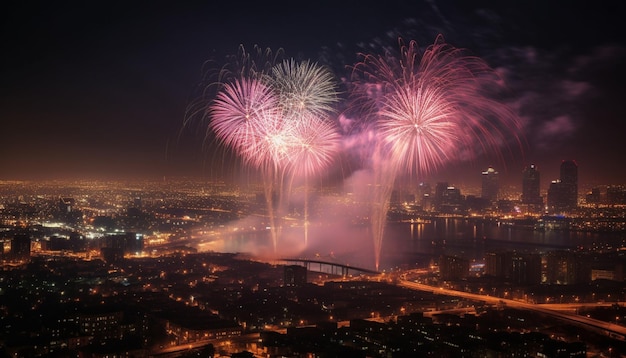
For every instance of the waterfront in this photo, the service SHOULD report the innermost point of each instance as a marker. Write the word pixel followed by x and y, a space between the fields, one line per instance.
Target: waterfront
pixel 471 239
pixel 416 244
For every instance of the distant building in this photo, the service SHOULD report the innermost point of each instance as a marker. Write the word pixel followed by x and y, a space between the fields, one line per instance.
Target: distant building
pixel 531 188
pixel 497 264
pixel 518 268
pixel 111 254
pixel 567 268
pixel 66 205
pixel 440 190
pixel 490 185
pixel 128 243
pixel 526 269
pixel 448 199
pixel 616 195
pixel 20 247
pixel 104 325
pixel 594 197
pixel 67 211
pixel 74 243
pixel 569 179
pixel 453 268
pixel 563 193
pixel 5 247
pixel 556 197
pixel 295 275
pixel 186 328
pixel 424 193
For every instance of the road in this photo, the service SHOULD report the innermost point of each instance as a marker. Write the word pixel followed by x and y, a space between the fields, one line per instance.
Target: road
pixel 174 351
pixel 613 330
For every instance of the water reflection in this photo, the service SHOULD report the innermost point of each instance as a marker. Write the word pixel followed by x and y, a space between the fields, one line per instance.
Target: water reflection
pixel 408 243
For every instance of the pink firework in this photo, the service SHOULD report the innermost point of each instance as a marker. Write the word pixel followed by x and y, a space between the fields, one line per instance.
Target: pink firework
pixel 273 123
pixel 240 114
pixel 427 107
pixel 272 145
pixel 431 105
pixel 418 129
pixel 314 146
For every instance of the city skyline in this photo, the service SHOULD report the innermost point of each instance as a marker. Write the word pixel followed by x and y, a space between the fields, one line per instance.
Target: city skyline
pixel 102 92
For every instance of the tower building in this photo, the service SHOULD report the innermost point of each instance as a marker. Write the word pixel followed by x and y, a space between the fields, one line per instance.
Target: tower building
pixel 569 180
pixel 563 193
pixel 490 185
pixel 531 187
pixel 20 247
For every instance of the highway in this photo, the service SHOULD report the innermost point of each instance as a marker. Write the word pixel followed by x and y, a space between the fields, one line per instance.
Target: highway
pixel 610 329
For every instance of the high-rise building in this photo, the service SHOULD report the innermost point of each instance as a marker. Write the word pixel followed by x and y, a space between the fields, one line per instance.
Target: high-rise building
pixel 525 269
pixel 519 268
pixel 567 268
pixel 563 193
pixel 497 264
pixel 569 179
pixel 490 185
pixel 20 247
pixel 447 199
pixel 424 195
pixel 453 268
pixel 531 187
pixel 616 195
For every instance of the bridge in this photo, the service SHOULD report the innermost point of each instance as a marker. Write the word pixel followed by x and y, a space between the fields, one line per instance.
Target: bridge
pixel 331 268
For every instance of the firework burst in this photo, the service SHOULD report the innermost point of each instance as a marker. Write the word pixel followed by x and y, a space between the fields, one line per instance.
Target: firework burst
pixel 240 111
pixel 272 118
pixel 304 88
pixel 427 107
pixel 314 147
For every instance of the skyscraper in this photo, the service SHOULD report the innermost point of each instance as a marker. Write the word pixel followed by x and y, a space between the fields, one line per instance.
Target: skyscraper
pixel 569 180
pixel 20 247
pixel 490 185
pixel 563 193
pixel 531 187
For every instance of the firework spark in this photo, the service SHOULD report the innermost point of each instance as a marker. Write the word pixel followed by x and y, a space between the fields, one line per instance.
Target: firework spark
pixel 316 143
pixel 304 88
pixel 240 111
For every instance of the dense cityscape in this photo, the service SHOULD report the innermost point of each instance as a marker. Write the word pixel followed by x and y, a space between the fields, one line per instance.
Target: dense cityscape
pixel 313 179
pixel 166 268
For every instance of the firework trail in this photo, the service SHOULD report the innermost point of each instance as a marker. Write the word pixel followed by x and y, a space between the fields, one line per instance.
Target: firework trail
pixel 307 94
pixel 243 114
pixel 245 118
pixel 427 107
pixel 316 143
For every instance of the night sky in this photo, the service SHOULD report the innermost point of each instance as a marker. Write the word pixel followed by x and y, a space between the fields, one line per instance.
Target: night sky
pixel 98 89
